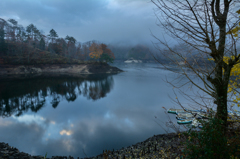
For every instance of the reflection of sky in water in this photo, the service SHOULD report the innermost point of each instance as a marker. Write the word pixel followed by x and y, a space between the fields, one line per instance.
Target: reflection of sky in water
pixel 122 118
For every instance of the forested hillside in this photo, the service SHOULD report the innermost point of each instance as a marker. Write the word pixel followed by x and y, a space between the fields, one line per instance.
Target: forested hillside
pixel 30 45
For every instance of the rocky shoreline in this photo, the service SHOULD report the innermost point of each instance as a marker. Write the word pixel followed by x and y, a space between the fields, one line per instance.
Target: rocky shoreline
pixel 168 146
pixel 159 146
pixel 91 68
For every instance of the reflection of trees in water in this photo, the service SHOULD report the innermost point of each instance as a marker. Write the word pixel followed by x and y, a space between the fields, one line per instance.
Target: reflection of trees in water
pixel 96 89
pixel 17 97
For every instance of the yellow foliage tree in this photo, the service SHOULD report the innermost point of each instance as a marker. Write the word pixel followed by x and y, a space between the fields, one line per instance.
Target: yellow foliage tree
pixel 233 85
pixel 96 51
pixel 236 31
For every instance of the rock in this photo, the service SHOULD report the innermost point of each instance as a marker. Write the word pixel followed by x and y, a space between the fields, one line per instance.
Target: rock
pixel 92 68
pixel 162 143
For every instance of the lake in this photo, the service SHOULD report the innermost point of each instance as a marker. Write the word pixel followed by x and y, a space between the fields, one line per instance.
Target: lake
pixel 67 115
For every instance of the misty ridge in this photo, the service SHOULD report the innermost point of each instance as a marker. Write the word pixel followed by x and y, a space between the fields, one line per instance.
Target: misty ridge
pixel 29 44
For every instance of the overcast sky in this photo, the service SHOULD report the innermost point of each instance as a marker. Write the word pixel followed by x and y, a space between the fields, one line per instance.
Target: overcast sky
pixel 108 21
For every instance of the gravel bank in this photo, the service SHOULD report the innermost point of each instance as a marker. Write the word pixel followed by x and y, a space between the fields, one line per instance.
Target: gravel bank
pixel 92 68
pixel 159 146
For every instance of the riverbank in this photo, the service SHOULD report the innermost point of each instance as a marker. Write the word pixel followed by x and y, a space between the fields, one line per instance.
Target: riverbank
pixel 157 146
pixel 89 68
pixel 168 146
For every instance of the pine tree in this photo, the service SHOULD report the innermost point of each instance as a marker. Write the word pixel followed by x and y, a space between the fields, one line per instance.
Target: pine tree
pixel 42 44
pixel 3 47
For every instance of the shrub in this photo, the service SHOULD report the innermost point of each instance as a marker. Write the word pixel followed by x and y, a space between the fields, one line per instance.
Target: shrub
pixel 209 143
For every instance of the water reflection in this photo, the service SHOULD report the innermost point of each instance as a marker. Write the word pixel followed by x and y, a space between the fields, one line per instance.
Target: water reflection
pixel 123 118
pixel 19 96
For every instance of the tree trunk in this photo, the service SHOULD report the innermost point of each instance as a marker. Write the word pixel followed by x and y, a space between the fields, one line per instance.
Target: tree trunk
pixel 221 101
pixel 221 79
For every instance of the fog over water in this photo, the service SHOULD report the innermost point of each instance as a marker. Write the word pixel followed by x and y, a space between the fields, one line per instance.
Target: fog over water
pixel 66 115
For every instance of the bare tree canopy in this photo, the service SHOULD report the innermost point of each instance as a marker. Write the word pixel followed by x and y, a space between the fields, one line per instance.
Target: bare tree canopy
pixel 202 26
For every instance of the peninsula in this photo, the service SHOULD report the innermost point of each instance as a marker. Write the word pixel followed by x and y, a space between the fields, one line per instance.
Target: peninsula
pixel 85 68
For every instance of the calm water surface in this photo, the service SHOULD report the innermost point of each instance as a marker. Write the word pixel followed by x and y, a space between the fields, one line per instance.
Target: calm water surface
pixel 66 115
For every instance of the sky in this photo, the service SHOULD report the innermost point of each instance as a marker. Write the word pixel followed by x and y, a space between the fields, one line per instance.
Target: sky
pixel 108 21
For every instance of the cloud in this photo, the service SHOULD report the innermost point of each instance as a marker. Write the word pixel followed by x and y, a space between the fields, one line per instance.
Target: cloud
pixel 93 126
pixel 104 20
pixel 65 132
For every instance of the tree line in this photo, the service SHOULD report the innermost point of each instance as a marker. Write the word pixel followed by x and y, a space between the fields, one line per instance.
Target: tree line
pixel 29 44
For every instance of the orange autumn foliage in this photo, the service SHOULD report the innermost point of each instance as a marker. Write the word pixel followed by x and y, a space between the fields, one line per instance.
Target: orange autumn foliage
pixel 96 51
pixel 107 53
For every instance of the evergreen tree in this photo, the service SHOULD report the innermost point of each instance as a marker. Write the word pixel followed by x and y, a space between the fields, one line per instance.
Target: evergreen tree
pixel 2 42
pixel 53 34
pixel 71 39
pixel 42 44
pixel 30 30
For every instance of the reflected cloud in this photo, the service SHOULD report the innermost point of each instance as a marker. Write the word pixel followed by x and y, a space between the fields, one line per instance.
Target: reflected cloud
pixel 29 119
pixel 129 123
pixel 66 132
pixel 108 115
pixel 86 134
pixel 53 122
pixel 68 144
pixel 5 123
pixel 69 137
pixel 124 118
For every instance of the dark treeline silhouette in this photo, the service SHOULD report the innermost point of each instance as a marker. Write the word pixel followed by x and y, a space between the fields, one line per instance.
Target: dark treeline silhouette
pixel 19 96
pixel 29 45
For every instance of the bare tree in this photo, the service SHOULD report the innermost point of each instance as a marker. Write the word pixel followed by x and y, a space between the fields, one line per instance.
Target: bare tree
pixel 202 25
